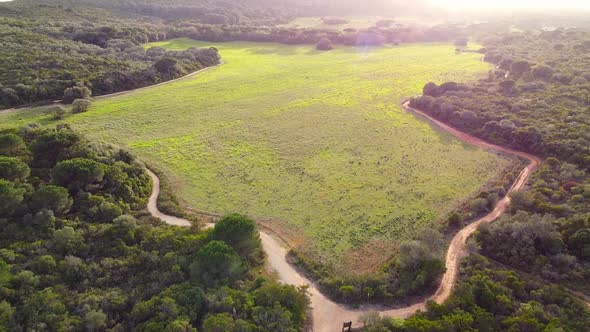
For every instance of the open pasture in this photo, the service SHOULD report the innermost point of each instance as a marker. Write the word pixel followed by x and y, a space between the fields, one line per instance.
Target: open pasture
pixel 316 143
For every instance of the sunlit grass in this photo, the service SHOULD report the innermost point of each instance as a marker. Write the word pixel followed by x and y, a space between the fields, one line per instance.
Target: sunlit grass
pixel 315 141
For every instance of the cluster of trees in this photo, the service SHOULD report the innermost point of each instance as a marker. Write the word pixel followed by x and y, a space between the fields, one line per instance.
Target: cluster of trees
pixel 535 101
pixel 374 36
pixel 490 298
pixel 414 271
pixel 52 53
pixel 556 249
pixel 78 253
pixel 218 12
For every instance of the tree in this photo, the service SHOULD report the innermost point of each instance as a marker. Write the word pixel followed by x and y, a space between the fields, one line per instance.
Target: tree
pixel 6 315
pixel 9 97
pixel 11 145
pixel 519 68
pixel 417 267
pixel 430 89
pixel 542 72
pixel 461 42
pixel 77 174
pixel 66 240
pixel 324 44
pixel 216 263
pixel 95 320
pixel 218 323
pixel 293 298
pixel 274 318
pixel 448 86
pixel 44 308
pixel 10 197
pixel 507 86
pixel 13 169
pixel 53 146
pixel 5 275
pixel 44 264
pixel 76 92
pixel 580 243
pixel 239 232
pixel 53 198
pixel 455 220
pixel 57 112
pixel 166 66
pixel 81 105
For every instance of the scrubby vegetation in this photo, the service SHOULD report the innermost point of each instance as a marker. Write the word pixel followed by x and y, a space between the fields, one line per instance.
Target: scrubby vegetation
pixel 415 271
pixel 535 101
pixel 78 253
pixel 531 102
pixel 491 298
pixel 51 52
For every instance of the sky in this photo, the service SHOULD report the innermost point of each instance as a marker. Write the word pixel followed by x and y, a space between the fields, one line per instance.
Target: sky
pixel 513 4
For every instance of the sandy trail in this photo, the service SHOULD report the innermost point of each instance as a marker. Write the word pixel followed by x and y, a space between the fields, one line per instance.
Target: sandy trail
pixel 328 315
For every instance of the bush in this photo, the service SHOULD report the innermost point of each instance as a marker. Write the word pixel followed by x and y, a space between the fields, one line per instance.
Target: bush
pixel 76 92
pixel 10 197
pixel 77 174
pixel 81 105
pixel 13 169
pixel 52 198
pixel 324 44
pixel 57 112
pixel 216 264
pixel 455 221
pixel 239 232
pixel 11 145
pixel 430 89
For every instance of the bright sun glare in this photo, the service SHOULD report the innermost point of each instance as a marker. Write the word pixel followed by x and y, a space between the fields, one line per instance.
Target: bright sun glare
pixel 513 4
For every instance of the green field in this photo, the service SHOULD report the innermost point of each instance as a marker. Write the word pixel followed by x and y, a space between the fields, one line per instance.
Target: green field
pixel 315 144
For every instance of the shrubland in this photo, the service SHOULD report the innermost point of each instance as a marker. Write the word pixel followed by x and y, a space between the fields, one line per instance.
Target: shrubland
pixel 489 297
pixel 534 101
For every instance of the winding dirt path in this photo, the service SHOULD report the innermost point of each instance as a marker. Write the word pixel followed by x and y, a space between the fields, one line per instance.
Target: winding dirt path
pixel 328 315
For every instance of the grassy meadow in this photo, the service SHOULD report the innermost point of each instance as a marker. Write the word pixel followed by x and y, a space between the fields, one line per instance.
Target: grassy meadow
pixel 315 144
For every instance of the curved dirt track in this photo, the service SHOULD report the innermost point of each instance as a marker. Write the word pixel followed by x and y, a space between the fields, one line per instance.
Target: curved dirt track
pixel 328 315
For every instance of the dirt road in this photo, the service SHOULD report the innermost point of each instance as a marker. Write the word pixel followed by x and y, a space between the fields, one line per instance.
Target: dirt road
pixel 328 315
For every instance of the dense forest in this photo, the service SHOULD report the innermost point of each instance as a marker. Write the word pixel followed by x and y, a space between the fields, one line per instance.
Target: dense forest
pixel 491 298
pixel 79 253
pixel 48 49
